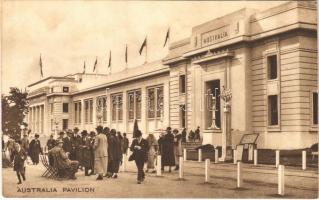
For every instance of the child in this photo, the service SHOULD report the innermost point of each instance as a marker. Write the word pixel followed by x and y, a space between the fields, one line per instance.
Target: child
pixel 19 156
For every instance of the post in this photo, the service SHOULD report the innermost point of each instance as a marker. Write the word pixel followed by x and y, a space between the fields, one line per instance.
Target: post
pixel 255 157
pixel 239 175
pixel 304 160
pixel 207 165
pixel 159 165
pixel 185 154
pixel 281 180
pixel 181 168
pixel 277 157
pixel 235 156
pixel 124 162
pixel 199 155
pixel 216 155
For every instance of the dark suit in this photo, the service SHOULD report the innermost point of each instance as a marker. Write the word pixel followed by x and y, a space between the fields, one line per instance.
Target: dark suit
pixel 34 151
pixel 67 145
pixel 140 156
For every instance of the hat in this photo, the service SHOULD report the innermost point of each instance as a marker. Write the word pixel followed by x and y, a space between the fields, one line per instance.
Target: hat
pixel 99 129
pixel 51 135
pixel 106 130
pixel 84 132
pixel 175 131
pixel 59 141
pixel 61 133
pixel 36 135
pixel 92 133
pixel 138 133
pixel 76 129
pixel 168 128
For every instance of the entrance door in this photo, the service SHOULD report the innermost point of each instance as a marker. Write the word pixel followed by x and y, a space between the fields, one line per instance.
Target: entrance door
pixel 213 90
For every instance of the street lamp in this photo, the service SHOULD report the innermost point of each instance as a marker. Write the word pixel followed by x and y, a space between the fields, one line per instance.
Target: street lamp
pixel 213 107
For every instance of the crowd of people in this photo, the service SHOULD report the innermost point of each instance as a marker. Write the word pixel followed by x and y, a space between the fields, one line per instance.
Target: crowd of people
pixel 100 153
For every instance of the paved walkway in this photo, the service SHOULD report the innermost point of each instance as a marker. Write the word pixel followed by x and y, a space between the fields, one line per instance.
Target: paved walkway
pixel 259 182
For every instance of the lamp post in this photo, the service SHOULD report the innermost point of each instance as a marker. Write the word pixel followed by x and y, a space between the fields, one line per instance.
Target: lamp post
pixel 213 107
pixel 56 128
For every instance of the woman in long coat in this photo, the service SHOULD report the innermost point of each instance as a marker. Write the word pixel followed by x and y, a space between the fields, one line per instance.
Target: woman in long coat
pixel 151 156
pixel 100 153
pixel 115 153
pixel 35 149
pixel 167 149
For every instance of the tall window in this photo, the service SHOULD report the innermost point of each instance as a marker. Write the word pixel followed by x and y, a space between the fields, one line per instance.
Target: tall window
pixel 65 123
pixel 51 108
pixel 273 110
pixel 182 84
pixel 117 107
pixel 272 67
pixel 101 107
pixel 182 116
pixel 77 112
pixel 88 110
pixel 65 107
pixel 155 101
pixel 315 108
pixel 134 104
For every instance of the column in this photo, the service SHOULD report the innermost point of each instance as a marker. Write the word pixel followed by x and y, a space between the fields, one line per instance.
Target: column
pixel 40 120
pixel 144 111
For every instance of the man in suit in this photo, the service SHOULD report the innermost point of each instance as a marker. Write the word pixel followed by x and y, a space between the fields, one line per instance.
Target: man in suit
pixel 100 153
pixel 65 166
pixel 67 145
pixel 139 147
pixel 19 156
pixel 50 144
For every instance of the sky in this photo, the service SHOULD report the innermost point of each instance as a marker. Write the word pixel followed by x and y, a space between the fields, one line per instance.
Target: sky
pixel 69 33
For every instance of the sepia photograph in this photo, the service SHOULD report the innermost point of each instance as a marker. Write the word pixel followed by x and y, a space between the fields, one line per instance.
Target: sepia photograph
pixel 159 99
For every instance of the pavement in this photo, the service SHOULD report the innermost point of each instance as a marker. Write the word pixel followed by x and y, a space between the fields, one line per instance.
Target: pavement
pixel 258 182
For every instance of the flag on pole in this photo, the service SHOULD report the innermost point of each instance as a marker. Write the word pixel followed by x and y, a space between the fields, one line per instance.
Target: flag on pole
pixel 110 60
pixel 167 37
pixel 41 71
pixel 95 64
pixel 84 68
pixel 143 45
pixel 126 54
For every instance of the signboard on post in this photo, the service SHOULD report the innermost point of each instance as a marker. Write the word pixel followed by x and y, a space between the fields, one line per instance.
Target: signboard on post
pixel 249 138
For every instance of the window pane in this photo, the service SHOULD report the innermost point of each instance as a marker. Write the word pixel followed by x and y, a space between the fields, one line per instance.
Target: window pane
pixel 159 101
pixel 272 67
pixel 114 108
pixel 104 109
pixel 76 113
pixel 131 105
pixel 315 107
pixel 273 110
pixel 120 107
pixel 65 107
pixel 151 103
pixel 86 110
pixel 91 110
pixel 138 102
pixel 182 84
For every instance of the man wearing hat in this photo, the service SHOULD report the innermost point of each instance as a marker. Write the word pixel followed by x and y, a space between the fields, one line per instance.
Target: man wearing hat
pixel 25 142
pixel 76 141
pixel 67 145
pixel 50 144
pixel 35 149
pixel 66 167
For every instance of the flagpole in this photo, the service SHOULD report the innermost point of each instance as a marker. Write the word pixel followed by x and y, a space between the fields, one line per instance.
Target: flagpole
pixel 146 51
pixel 126 57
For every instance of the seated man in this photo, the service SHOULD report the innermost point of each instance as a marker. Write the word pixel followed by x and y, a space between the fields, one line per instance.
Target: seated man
pixel 65 166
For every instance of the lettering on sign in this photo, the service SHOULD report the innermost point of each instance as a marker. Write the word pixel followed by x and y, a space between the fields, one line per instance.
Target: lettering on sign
pixel 249 139
pixel 215 36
